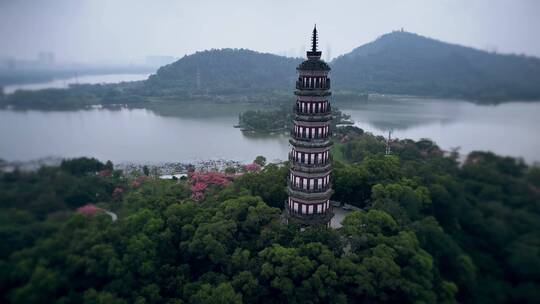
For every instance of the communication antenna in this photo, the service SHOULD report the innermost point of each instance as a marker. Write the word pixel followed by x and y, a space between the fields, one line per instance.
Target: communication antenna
pixel 388 151
pixel 198 78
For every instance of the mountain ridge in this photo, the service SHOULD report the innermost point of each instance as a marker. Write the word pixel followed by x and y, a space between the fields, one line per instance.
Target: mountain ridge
pixel 399 63
pixel 408 63
pixel 395 63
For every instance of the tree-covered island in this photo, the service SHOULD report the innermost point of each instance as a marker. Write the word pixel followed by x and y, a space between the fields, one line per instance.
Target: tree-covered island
pixel 280 120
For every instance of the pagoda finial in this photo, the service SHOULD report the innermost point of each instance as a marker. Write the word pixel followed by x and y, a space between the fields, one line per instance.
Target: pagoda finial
pixel 314 54
pixel 314 39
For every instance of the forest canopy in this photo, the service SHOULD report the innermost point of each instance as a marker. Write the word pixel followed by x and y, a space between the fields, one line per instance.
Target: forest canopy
pixel 429 230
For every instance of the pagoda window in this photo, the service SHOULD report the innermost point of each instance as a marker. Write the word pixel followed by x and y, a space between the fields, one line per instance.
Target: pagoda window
pixel 295 206
pixel 310 209
pixel 304 209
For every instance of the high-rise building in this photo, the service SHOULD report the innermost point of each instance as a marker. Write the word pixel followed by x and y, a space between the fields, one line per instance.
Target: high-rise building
pixel 309 182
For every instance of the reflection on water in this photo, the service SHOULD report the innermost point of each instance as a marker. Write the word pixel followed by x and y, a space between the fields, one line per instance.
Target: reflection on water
pixel 64 83
pixel 507 129
pixel 136 135
pixel 197 131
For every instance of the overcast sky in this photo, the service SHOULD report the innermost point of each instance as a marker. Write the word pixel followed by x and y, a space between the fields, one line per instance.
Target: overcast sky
pixel 129 30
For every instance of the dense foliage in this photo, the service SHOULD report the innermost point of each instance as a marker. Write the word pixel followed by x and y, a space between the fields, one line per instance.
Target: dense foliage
pixel 480 221
pixel 431 231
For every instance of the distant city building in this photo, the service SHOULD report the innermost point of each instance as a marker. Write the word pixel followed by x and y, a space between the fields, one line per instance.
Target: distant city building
pixel 46 58
pixel 309 183
pixel 159 61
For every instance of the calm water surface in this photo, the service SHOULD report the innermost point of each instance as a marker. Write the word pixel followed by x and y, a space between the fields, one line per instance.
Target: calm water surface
pixel 508 129
pixel 205 131
pixel 134 135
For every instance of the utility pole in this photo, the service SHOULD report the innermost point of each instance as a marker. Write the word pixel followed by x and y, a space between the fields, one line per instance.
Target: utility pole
pixel 388 151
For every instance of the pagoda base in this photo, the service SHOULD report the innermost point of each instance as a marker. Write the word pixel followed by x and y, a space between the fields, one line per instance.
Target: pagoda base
pixel 315 219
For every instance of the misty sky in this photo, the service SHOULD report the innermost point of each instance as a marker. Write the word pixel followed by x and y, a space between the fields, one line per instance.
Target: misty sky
pixel 129 30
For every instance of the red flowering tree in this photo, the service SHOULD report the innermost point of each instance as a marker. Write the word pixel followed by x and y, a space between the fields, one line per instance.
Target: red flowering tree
pixel 89 209
pixel 117 193
pixel 252 167
pixel 201 181
pixel 138 181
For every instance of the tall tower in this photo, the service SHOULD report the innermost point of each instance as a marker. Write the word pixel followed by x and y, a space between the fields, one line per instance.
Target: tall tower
pixel 309 184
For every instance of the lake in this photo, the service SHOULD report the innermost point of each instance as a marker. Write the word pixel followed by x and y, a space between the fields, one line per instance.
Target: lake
pixel 192 132
pixel 508 129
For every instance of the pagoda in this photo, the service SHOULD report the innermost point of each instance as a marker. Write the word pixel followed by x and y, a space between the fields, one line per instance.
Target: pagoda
pixel 309 183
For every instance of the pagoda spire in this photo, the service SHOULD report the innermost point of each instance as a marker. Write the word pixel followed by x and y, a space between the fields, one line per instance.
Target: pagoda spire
pixel 314 39
pixel 314 54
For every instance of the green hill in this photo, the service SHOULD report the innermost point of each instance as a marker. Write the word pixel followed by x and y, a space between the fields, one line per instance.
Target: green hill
pixel 395 63
pixel 226 71
pixel 406 63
